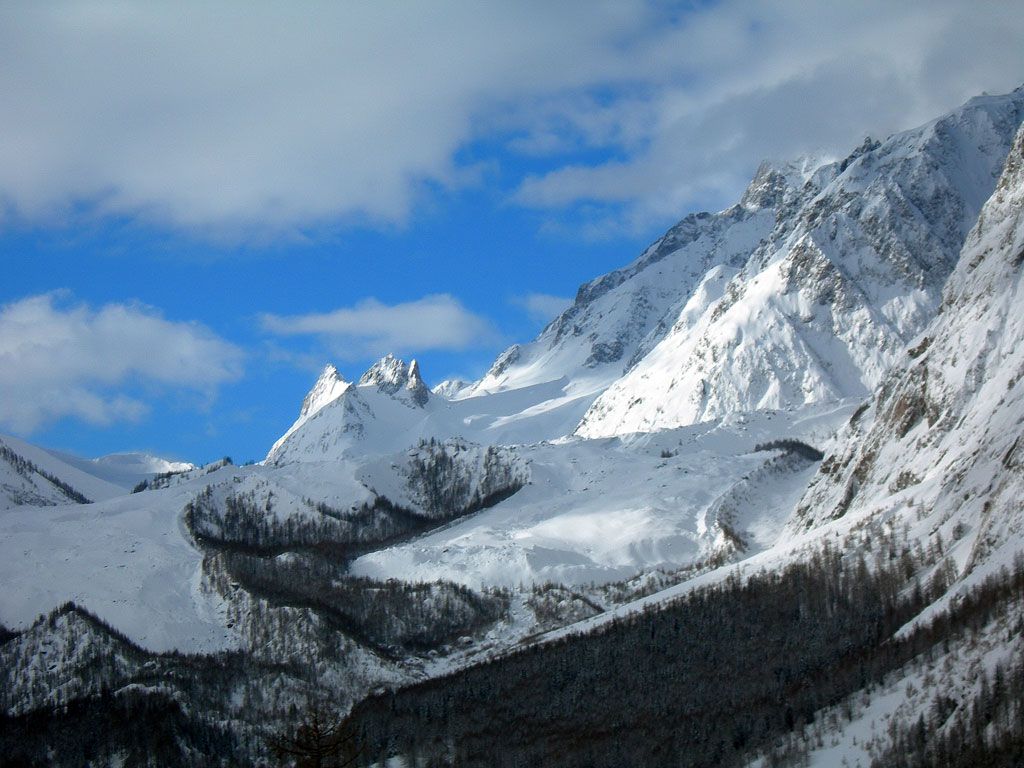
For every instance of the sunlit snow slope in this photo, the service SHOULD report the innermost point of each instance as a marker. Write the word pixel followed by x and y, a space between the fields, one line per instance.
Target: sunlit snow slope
pixel 852 269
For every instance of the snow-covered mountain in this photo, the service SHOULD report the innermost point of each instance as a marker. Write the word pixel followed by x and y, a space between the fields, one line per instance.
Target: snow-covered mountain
pixel 851 270
pixel 919 507
pixel 941 446
pixel 393 377
pixel 127 470
pixel 615 315
pixel 450 388
pixel 805 291
pixel 648 449
pixel 389 408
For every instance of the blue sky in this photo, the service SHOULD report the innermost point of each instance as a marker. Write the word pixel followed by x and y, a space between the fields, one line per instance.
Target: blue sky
pixel 201 204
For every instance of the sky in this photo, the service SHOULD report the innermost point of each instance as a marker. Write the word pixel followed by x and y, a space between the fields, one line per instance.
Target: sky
pixel 202 204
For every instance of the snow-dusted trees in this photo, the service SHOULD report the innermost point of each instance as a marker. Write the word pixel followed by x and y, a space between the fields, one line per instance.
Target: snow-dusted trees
pixel 452 478
pixel 717 678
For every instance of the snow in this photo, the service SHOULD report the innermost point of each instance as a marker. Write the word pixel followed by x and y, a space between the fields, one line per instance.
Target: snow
pixel 603 330
pixel 127 469
pixel 328 388
pixel 773 319
pixel 826 301
pixel 379 418
pixel 938 448
pixel 604 510
pixel 450 388
pixel 90 478
pixel 128 560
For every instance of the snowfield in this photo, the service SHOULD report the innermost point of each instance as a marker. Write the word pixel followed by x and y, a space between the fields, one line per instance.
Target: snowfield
pixel 128 560
pixel 604 510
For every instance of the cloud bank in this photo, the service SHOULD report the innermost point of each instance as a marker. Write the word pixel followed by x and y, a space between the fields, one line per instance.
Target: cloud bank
pixel 204 117
pixel 59 359
pixel 371 328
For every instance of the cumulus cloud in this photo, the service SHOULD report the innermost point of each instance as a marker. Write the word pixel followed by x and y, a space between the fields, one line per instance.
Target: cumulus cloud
pixel 60 359
pixel 542 307
pixel 371 328
pixel 277 117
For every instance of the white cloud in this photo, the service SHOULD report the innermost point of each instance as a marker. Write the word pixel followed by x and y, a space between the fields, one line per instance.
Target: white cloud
pixel 371 328
pixel 542 307
pixel 62 360
pixel 274 117
pixel 270 115
pixel 745 81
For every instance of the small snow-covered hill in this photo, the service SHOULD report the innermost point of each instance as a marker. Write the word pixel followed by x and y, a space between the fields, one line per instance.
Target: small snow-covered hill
pixel 24 481
pixel 33 475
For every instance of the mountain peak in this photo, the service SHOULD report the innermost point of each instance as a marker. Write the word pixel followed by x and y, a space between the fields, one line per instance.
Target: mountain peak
pixel 329 386
pixel 773 180
pixel 449 388
pixel 388 374
pixel 851 269
pixel 419 391
pixel 391 375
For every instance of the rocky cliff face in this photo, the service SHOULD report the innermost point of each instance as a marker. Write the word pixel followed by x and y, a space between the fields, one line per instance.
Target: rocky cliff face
pixel 392 376
pixel 940 445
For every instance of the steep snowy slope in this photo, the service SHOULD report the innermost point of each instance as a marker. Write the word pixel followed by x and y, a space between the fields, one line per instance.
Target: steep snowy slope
pixel 33 475
pixel 594 340
pixel 328 388
pixel 128 560
pixel 852 270
pixel 940 447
